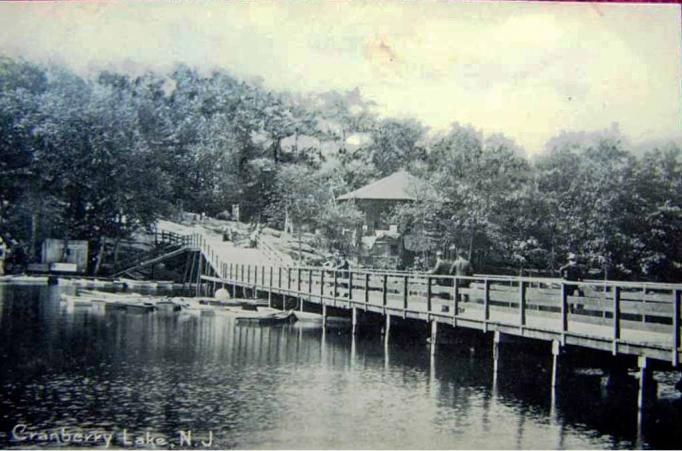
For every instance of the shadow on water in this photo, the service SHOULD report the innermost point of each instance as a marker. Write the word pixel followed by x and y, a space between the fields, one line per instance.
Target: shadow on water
pixel 295 386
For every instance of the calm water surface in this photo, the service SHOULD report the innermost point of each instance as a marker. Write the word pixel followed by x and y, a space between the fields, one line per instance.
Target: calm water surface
pixel 288 386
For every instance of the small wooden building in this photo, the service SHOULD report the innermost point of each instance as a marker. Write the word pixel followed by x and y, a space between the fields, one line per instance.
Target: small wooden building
pixel 65 256
pixel 378 198
pixel 376 201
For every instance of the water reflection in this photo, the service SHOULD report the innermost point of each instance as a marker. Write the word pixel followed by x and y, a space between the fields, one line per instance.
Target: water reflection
pixel 285 386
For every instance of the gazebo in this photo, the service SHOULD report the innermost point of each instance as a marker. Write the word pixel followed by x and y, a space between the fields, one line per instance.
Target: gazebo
pixel 376 199
pixel 380 244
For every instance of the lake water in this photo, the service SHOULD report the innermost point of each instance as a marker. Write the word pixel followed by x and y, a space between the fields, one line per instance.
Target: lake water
pixel 69 372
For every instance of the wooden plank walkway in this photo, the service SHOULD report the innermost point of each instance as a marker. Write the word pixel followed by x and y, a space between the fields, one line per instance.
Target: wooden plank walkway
pixel 641 319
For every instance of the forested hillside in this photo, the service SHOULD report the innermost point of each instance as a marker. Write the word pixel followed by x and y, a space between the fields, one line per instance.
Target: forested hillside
pixel 99 157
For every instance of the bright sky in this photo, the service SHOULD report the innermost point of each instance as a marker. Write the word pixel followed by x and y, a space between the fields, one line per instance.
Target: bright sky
pixel 528 70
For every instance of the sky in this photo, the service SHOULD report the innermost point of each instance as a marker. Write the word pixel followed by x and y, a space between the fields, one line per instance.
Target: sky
pixel 526 69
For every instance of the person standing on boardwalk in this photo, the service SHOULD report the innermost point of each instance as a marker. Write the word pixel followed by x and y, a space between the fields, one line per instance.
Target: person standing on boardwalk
pixel 572 272
pixel 461 267
pixel 342 266
pixel 442 267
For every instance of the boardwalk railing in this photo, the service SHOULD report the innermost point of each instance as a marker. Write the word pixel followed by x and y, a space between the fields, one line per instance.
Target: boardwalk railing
pixel 622 317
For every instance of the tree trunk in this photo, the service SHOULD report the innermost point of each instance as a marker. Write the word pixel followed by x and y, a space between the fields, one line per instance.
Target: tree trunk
pixel 472 234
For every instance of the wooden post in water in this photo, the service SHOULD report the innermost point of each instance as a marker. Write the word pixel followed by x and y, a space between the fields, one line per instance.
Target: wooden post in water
pixel 434 336
pixel 387 329
pixel 496 356
pixel 556 351
pixel 324 316
pixel 355 320
pixel 646 391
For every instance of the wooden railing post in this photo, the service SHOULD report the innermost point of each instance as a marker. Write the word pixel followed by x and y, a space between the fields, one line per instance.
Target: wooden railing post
pixel 322 286
pixel 455 295
pixel 676 327
pixel 406 293
pixel 336 284
pixel 384 292
pixel 279 277
pixel 350 286
pixel 310 282
pixel 564 313
pixel 616 318
pixel 366 290
pixel 289 279
pixel 270 284
pixel 428 295
pixel 298 282
pixel 486 304
pixel 522 303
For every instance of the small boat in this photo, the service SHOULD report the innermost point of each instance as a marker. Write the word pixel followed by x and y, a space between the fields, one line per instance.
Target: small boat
pixel 138 307
pixel 316 318
pixel 167 306
pixel 132 283
pixel 220 303
pixel 76 301
pixel 265 317
pixel 24 280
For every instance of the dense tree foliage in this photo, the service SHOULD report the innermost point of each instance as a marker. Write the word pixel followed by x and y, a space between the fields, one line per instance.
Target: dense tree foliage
pixel 97 158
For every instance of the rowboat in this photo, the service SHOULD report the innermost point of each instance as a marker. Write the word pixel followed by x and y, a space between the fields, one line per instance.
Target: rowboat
pixel 167 306
pixel 267 317
pixel 138 307
pixel 316 318
pixel 76 301
pixel 132 283
pixel 24 280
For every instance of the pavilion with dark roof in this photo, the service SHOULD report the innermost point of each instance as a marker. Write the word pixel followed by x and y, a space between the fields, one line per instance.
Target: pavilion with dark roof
pixel 376 199
pixel 380 244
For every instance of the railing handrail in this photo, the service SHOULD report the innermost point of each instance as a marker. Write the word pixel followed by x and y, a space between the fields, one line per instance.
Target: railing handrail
pixel 200 240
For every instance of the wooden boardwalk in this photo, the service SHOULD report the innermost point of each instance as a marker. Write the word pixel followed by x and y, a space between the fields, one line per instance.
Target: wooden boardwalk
pixel 624 318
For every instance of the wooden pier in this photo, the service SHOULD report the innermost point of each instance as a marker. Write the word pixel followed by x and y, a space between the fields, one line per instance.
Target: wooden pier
pixel 623 318
pixel 631 321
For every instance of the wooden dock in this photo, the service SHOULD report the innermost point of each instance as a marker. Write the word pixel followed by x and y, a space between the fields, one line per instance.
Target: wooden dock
pixel 623 318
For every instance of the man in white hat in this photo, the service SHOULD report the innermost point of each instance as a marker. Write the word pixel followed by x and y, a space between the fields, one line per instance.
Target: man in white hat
pixel 572 272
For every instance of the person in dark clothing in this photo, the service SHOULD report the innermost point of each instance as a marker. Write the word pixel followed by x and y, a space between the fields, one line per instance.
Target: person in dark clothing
pixel 442 267
pixel 572 272
pixel 342 267
pixel 462 267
